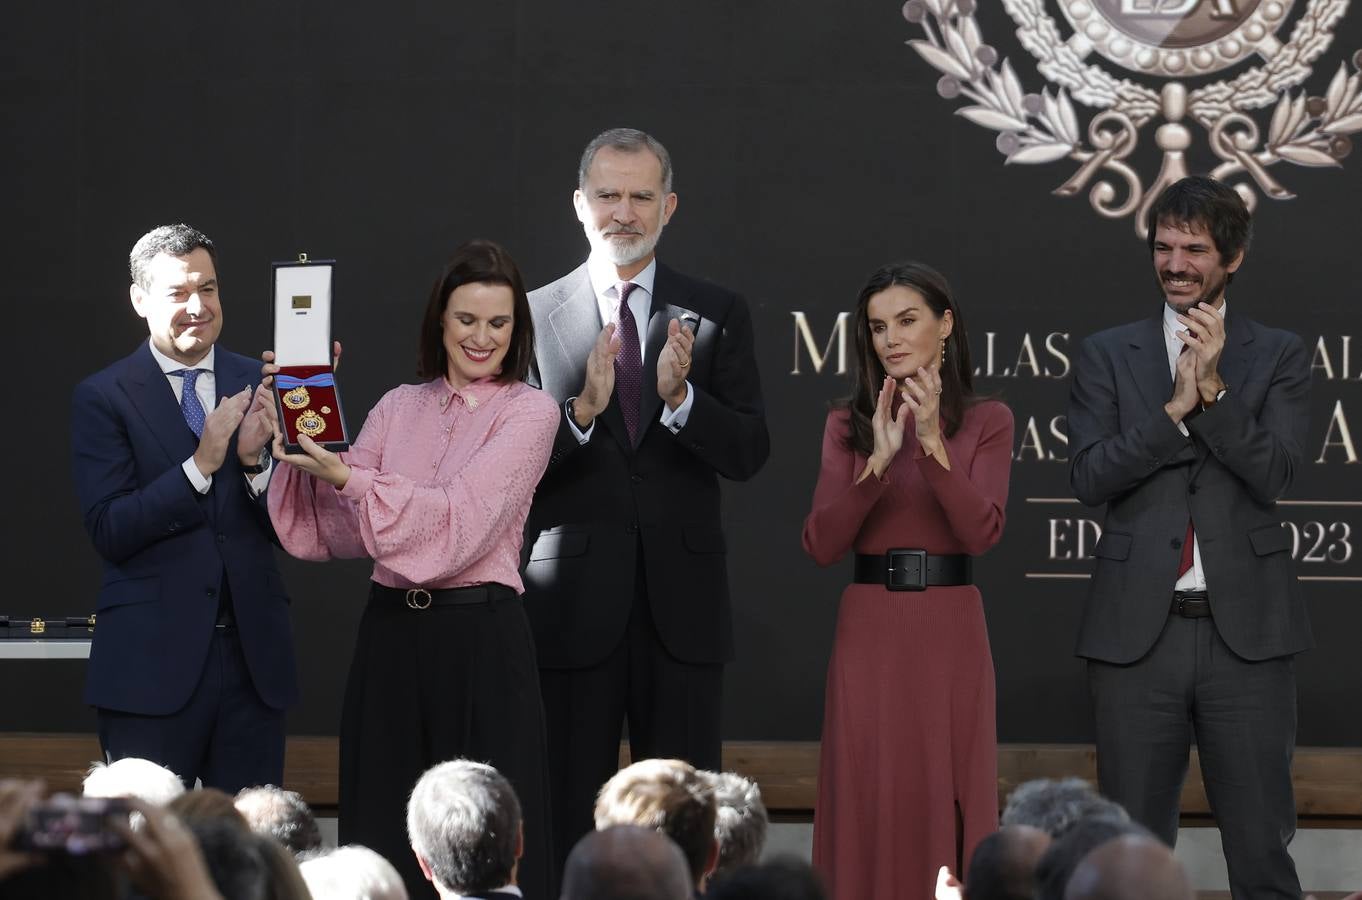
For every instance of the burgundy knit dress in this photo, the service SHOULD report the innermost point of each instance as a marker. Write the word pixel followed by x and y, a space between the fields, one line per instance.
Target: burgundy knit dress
pixel 908 776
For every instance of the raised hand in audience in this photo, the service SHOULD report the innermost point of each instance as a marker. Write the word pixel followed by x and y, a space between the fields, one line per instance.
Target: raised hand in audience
pixel 163 859
pixel 948 887
pixel 16 797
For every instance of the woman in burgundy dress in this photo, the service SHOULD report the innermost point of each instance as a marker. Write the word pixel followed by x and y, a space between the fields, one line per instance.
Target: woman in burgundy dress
pixel 913 481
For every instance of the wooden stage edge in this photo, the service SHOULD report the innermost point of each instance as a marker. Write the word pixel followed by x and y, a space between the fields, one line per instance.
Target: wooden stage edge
pixel 1328 780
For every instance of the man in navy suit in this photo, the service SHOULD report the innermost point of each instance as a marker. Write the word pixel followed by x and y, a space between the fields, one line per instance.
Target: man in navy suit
pixel 192 663
pixel 626 581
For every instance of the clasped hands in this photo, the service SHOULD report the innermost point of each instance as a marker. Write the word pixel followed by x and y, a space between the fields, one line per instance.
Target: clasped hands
pixel 1196 378
pixel 672 363
pixel 921 395
pixel 315 459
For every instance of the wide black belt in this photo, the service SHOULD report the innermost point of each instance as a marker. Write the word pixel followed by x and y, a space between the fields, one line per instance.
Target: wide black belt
pixel 1191 604
pixel 913 570
pixel 424 598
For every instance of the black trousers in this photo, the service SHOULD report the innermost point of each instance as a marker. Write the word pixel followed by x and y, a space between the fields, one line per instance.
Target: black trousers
pixel 673 710
pixel 1243 717
pixel 427 686
pixel 224 735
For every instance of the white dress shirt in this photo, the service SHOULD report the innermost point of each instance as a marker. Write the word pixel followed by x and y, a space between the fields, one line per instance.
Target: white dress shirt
pixel 1195 578
pixel 605 285
pixel 206 389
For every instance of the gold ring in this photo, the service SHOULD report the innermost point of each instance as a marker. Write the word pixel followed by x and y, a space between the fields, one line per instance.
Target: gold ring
pixel 686 364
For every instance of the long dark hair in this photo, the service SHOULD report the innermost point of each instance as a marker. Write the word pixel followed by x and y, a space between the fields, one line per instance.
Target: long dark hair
pixel 957 378
pixel 477 262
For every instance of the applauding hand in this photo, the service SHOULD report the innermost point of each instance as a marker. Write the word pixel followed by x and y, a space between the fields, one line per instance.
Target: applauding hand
pixel 888 429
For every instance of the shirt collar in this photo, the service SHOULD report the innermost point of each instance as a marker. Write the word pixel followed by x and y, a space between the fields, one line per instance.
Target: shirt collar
pixel 603 276
pixel 505 889
pixel 1173 326
pixel 473 394
pixel 169 365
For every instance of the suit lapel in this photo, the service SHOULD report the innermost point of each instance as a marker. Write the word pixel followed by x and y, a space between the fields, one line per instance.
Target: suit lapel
pixel 669 299
pixel 1236 360
pixel 151 395
pixel 229 378
pixel 1147 358
pixel 576 323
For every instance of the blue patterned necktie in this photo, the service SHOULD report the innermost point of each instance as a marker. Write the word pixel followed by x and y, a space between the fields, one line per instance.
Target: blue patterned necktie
pixel 628 365
pixel 189 400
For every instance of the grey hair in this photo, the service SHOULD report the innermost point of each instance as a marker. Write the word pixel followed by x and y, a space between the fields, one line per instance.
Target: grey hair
pixel 1054 805
pixel 281 814
pixel 626 140
pixel 741 822
pixel 133 777
pixel 463 819
pixel 172 240
pixel 352 872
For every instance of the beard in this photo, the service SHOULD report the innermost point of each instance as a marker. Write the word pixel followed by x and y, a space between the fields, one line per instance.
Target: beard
pixel 1208 293
pixel 625 248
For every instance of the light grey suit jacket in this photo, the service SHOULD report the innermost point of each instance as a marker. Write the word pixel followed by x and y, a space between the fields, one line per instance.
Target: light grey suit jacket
pixel 1240 458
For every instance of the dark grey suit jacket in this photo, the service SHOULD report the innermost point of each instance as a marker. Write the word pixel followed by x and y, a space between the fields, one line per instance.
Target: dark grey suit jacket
pixel 600 502
pixel 1241 457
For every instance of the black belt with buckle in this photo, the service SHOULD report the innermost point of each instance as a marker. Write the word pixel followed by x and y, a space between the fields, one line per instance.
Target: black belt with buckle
pixel 425 598
pixel 1191 604
pixel 913 570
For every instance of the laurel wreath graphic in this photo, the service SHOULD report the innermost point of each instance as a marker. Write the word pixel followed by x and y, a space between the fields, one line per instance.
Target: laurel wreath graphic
pixel 1038 128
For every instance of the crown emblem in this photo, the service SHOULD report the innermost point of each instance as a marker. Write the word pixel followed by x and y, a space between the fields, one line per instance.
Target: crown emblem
pixel 1162 40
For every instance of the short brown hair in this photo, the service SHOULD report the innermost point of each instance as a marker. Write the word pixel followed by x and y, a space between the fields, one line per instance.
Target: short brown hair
pixel 667 795
pixel 477 262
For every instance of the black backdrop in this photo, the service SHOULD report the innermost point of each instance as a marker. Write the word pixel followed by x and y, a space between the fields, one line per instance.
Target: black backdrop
pixel 810 146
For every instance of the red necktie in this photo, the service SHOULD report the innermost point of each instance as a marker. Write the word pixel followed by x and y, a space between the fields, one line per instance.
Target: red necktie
pixel 628 365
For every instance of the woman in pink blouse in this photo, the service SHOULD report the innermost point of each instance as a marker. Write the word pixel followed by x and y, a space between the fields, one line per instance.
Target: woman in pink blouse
pixel 914 483
pixel 435 490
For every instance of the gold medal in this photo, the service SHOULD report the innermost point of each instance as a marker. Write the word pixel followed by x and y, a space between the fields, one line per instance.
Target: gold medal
pixel 309 423
pixel 296 398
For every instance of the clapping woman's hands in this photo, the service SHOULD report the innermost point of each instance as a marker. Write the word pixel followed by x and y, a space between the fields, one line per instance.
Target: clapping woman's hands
pixel 922 394
pixel 888 428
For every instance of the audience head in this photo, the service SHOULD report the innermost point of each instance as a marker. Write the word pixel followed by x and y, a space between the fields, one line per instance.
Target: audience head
pixel 626 862
pixel 1058 863
pixel 740 820
pixel 132 777
pixel 1055 804
pixel 1003 866
pixel 784 878
pixel 282 815
pixel 1132 867
pixel 463 821
pixel 207 804
pixel 286 879
pixel 235 860
pixel 670 796
pixel 352 873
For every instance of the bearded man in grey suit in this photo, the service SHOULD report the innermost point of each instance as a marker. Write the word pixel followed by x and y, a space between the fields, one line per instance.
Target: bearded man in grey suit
pixel 1188 425
pixel 626 580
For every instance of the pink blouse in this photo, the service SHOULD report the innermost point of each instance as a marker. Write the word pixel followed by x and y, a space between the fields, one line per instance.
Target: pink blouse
pixel 440 485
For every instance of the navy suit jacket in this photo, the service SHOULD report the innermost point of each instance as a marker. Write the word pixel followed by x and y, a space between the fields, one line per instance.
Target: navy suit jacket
pixel 599 502
pixel 167 549
pixel 1242 455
